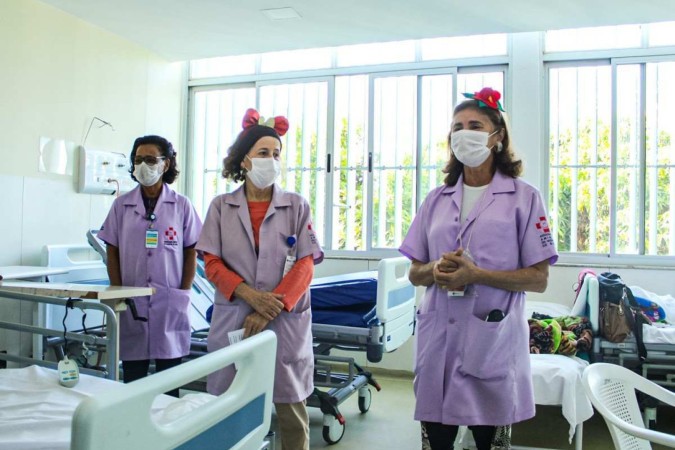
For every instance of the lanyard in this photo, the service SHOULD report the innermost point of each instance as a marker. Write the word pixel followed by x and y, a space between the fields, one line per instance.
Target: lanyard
pixel 473 225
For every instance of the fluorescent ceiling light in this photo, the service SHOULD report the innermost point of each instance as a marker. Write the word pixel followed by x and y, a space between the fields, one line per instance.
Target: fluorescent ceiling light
pixel 281 13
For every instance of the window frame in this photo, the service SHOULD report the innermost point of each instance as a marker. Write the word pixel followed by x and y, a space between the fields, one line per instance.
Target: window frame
pixel 613 59
pixel 417 69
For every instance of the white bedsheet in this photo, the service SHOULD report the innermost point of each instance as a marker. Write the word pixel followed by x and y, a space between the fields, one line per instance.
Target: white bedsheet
pixel 548 308
pixel 36 411
pixel 557 381
pixel 658 333
pixel 557 378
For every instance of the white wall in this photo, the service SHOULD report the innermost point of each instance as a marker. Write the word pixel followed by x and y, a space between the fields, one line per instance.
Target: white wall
pixel 58 72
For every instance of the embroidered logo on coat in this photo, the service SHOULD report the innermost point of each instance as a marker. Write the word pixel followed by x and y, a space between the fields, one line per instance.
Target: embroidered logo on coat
pixel 545 232
pixel 542 225
pixel 312 236
pixel 171 237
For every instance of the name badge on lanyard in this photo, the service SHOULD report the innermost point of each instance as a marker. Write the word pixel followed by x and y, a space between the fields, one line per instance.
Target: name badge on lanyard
pixel 151 238
pixel 290 262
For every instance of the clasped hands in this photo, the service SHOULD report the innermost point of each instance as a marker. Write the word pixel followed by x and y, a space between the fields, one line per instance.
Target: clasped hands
pixel 267 306
pixel 452 271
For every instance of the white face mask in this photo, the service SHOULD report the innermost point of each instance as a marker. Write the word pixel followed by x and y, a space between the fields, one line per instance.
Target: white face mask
pixel 264 171
pixel 470 146
pixel 149 175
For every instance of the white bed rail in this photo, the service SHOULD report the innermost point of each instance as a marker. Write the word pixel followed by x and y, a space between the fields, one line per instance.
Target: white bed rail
pixel 88 266
pixel 237 419
pixel 395 293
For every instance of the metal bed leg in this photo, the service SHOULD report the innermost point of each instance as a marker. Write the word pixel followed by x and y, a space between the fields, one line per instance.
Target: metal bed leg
pixel 269 441
pixel 578 436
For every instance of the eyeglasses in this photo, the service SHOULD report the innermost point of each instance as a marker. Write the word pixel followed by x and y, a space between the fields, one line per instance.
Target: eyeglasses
pixel 149 160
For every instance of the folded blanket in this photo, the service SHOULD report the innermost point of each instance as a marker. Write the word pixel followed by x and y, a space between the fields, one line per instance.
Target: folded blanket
pixel 565 335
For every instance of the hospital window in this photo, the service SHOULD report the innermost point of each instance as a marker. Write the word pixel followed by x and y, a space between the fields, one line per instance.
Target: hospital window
pixel 365 145
pixel 612 157
pixel 304 145
pixel 620 37
pixel 349 56
pixel 363 149
pixel 215 121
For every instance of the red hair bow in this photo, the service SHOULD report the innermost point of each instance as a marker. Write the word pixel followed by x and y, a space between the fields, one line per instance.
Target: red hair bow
pixel 252 118
pixel 487 97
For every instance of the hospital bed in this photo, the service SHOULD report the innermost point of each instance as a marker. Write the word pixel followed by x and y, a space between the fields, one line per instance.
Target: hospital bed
pixel 86 267
pixel 557 379
pixel 659 340
pixel 371 312
pixel 106 342
pixel 38 413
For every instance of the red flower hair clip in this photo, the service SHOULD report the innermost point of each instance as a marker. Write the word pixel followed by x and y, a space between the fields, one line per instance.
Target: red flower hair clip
pixel 486 97
pixel 252 118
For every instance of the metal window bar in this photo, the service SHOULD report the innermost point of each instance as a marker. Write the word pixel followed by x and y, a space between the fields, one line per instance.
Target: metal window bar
pixel 574 203
pixel 613 162
pixel 554 122
pixel 652 149
pixel 672 210
pixel 594 200
pixel 197 163
pixel 641 157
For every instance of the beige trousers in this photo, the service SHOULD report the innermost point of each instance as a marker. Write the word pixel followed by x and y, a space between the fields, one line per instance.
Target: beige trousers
pixel 293 422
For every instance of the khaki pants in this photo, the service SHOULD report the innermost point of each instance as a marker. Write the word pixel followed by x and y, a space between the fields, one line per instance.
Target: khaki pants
pixel 293 422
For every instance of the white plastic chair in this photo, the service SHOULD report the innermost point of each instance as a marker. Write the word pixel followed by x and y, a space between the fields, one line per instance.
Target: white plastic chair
pixel 611 388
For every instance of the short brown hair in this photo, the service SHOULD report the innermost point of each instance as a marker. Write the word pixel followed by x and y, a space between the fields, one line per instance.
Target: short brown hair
pixel 242 145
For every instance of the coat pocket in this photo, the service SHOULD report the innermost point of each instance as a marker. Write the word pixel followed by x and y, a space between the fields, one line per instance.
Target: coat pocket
pixel 488 350
pixel 294 337
pixel 423 337
pixel 175 310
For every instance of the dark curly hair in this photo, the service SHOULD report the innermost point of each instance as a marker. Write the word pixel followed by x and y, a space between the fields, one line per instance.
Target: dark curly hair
pixel 242 145
pixel 165 149
pixel 505 161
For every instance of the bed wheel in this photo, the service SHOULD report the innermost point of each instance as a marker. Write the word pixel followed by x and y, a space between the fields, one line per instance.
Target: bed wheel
pixel 365 398
pixel 333 430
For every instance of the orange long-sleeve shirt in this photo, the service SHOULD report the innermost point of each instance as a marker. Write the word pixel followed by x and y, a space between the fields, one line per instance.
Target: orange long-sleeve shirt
pixel 292 286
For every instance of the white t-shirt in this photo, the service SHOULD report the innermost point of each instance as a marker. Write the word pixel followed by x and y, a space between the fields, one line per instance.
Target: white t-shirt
pixel 470 196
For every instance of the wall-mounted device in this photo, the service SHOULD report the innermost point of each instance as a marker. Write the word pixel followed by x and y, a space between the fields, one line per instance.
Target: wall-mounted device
pixel 104 172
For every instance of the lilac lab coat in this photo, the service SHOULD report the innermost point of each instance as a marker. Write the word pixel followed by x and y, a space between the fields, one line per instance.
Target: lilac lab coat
pixel 166 334
pixel 469 371
pixel 228 234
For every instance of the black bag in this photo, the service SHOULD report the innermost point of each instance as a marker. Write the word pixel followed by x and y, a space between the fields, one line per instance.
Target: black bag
pixel 617 304
pixel 612 287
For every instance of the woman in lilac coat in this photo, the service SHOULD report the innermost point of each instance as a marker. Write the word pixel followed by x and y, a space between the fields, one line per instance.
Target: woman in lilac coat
pixel 477 244
pixel 151 233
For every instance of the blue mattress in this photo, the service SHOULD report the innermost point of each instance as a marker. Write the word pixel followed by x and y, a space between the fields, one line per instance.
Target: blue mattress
pixel 346 300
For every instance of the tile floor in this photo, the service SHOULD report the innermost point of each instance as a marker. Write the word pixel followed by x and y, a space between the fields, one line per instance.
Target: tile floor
pixel 389 425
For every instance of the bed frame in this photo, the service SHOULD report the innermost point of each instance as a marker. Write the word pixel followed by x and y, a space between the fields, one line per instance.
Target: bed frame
pixel 92 270
pixel 237 419
pixel 660 357
pixel 395 308
pixel 659 366
pixel 106 342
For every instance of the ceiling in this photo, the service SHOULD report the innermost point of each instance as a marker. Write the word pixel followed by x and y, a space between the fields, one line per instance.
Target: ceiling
pixel 191 29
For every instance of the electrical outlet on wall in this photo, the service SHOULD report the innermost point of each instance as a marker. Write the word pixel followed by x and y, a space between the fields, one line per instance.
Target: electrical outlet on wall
pixel 104 172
